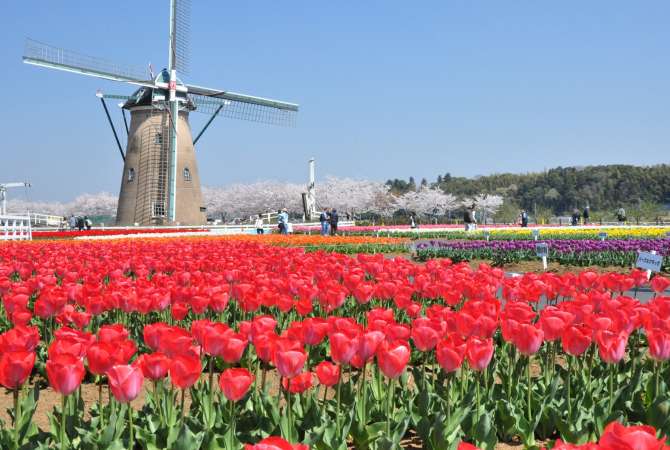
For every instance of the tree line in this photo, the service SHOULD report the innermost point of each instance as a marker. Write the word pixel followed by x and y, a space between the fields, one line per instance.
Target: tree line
pixel 641 189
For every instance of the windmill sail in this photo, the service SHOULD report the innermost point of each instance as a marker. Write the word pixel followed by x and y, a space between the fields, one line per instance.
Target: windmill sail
pixel 232 107
pixel 45 55
pixel 180 41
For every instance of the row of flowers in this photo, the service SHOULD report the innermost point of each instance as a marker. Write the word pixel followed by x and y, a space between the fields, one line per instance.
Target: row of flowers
pixel 69 234
pixel 321 348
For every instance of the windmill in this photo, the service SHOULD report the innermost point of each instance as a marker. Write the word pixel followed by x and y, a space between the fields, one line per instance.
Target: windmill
pixel 160 183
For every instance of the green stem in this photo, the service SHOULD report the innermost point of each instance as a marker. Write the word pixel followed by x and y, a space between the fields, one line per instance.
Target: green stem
pixel 389 407
pixel 130 424
pixel 447 387
pixel 337 413
pixel 611 387
pixel 182 407
pixel 477 382
pixel 530 415
pixel 63 420
pixel 568 382
pixel 288 413
pixel 658 378
pixel 231 438
pixel 17 416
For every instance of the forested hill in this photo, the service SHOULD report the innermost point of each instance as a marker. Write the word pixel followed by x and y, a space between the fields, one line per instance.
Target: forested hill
pixel 563 188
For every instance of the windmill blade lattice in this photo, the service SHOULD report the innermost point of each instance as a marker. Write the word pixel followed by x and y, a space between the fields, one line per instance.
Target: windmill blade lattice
pixel 41 54
pixel 244 111
pixel 182 29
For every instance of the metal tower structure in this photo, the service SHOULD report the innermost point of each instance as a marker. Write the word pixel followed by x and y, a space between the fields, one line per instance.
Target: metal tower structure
pixel 3 194
pixel 160 146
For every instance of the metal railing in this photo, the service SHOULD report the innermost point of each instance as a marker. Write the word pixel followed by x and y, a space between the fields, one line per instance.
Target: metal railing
pixel 15 228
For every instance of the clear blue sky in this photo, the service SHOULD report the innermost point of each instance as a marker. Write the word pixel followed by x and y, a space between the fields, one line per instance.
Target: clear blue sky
pixel 387 88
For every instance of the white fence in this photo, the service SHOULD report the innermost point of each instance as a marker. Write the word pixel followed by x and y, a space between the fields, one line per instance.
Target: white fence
pixel 15 228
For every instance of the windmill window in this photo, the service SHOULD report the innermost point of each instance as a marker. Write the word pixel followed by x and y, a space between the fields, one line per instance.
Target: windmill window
pixel 158 138
pixel 131 174
pixel 187 174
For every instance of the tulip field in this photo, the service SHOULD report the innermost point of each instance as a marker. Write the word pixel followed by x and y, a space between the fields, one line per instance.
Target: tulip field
pixel 225 343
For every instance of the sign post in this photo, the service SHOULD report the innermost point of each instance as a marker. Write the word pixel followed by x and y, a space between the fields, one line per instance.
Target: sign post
pixel 649 261
pixel 542 251
pixel 536 234
pixel 487 235
pixel 602 235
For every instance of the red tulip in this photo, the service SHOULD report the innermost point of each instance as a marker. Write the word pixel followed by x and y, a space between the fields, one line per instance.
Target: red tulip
pixel 67 346
pixel 450 353
pixel 111 333
pixel 424 337
pixel 392 358
pixel 15 367
pixel 100 357
pixel 179 311
pixel 659 344
pixel 20 338
pixel 479 353
pixel 659 284
pixel 125 382
pixel 528 339
pixel 152 334
pixel 314 330
pixel 233 347
pixel 275 443
pixel 65 373
pixel 289 363
pixel 611 346
pixel 576 339
pixel 342 348
pixel 619 437
pixel 154 365
pixel 328 373
pixel 368 343
pixel 466 446
pixel 235 383
pixel 298 384
pixel 185 370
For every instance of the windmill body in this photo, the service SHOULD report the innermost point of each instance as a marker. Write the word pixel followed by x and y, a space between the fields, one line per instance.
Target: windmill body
pixel 160 184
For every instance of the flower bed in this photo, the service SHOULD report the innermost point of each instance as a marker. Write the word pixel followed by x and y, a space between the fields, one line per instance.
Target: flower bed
pixel 70 234
pixel 615 252
pixel 321 348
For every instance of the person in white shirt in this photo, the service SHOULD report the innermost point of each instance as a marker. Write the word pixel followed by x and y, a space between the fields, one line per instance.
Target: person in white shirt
pixel 259 224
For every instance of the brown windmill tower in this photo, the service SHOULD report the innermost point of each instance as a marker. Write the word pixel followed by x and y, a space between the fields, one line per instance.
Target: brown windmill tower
pixel 160 184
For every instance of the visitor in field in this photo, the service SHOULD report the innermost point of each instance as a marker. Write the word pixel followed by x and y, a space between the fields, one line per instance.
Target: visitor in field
pixel 524 218
pixel 412 222
pixel 621 216
pixel 470 218
pixel 283 218
pixel 586 215
pixel 259 224
pixel 72 222
pixel 80 223
pixel 333 222
pixel 323 218
pixel 88 223
pixel 575 217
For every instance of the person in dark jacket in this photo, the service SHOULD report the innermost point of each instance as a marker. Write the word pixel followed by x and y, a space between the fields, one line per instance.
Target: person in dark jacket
pixel 333 222
pixel 324 219
pixel 586 215
pixel 524 218
pixel 575 217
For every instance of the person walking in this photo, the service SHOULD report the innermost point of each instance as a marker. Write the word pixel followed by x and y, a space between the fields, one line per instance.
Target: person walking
pixel 621 216
pixel 284 221
pixel 524 218
pixel 80 223
pixel 88 223
pixel 586 215
pixel 259 224
pixel 72 222
pixel 575 217
pixel 333 222
pixel 324 219
pixel 412 221
pixel 470 218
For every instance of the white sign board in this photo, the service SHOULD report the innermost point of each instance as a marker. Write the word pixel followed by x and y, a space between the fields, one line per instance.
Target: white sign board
pixel 649 261
pixel 602 235
pixel 487 234
pixel 542 250
pixel 536 234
